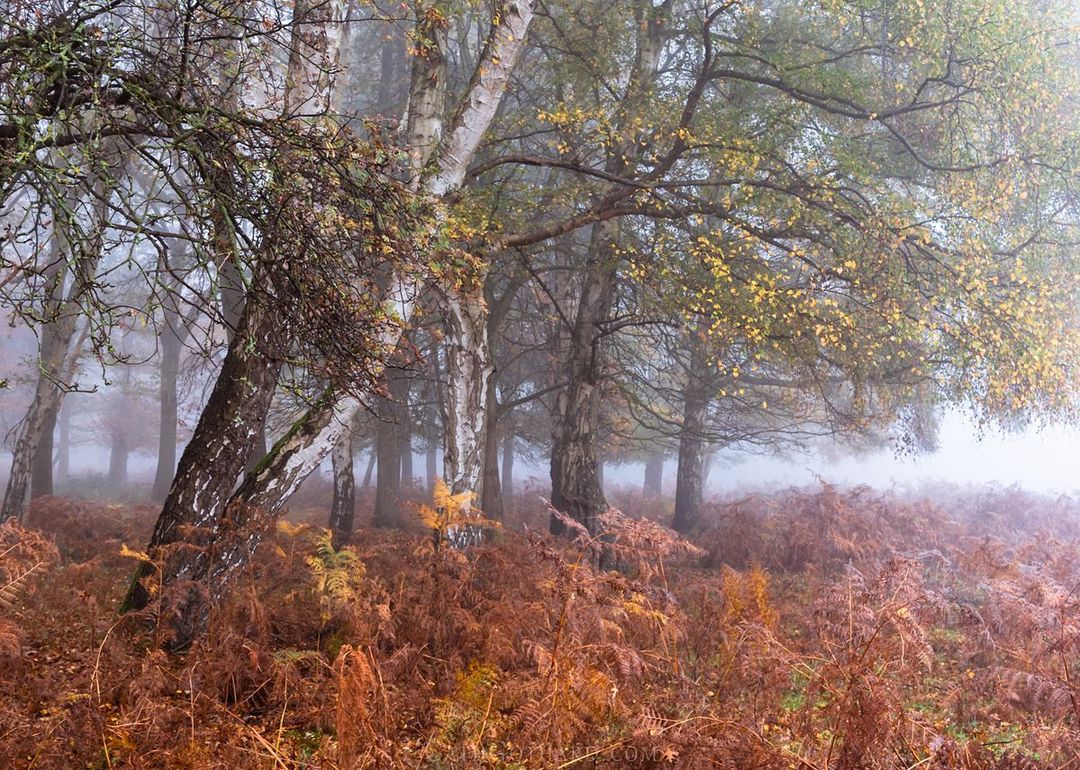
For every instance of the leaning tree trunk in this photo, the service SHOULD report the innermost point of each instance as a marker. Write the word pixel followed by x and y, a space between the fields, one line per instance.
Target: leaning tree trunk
pixel 343 508
pixel 232 296
pixel 302 449
pixel 46 398
pixel 690 479
pixel 469 364
pixel 253 508
pixel 213 460
pixel 235 414
pixel 576 487
pixel 654 474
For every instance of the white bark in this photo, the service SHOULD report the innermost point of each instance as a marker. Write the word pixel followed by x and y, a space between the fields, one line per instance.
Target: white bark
pixel 313 56
pixel 504 44
pixel 304 448
pixel 314 436
pixel 300 452
pixel 468 369
pixel 469 363
pixel 427 92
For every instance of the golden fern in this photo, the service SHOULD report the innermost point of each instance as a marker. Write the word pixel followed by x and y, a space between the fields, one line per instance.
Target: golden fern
pixel 338 573
pixel 23 553
pixel 452 518
pixel 10 591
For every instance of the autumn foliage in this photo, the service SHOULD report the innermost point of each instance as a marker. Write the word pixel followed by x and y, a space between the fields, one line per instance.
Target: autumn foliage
pixel 815 629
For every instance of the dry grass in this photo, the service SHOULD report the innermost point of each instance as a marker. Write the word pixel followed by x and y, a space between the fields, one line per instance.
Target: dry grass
pixel 819 630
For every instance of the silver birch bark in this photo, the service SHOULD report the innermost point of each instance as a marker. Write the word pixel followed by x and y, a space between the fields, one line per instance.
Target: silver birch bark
pixel 299 452
pixel 252 509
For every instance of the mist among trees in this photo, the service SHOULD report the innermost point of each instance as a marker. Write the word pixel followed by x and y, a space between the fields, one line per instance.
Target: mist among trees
pixel 325 319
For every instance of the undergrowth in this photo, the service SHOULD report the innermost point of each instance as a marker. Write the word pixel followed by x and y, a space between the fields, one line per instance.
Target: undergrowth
pixel 817 630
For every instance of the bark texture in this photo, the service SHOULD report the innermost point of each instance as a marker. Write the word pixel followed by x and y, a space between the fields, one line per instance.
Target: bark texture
pixel 242 522
pixel 576 477
pixel 576 487
pixel 469 363
pixel 313 56
pixel 343 508
pixel 232 294
pixel 214 457
pixel 690 479
pixel 468 370
pixel 194 537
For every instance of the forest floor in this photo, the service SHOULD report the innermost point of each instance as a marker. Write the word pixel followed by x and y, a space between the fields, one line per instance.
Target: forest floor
pixel 822 629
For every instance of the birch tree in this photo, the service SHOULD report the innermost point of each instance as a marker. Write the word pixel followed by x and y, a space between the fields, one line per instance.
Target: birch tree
pixel 254 505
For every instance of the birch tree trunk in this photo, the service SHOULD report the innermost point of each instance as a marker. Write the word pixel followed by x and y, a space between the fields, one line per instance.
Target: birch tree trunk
pixel 469 363
pixel 343 509
pixel 468 369
pixel 234 416
pixel 254 506
pixel 232 293
pixel 317 31
pixel 213 460
pixel 302 449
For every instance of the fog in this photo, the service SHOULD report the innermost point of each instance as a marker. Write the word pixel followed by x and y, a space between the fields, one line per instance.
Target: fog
pixel 1042 459
pixel 1039 459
